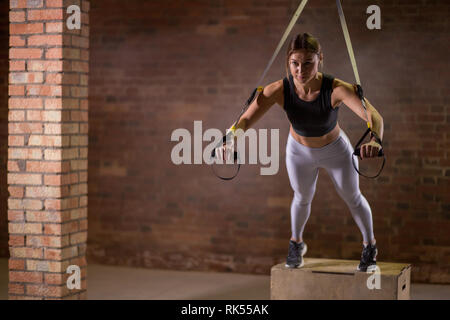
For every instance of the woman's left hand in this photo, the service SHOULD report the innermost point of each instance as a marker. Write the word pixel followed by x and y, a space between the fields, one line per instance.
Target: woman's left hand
pixel 370 149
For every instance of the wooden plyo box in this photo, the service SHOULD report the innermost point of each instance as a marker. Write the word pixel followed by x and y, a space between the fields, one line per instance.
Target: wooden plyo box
pixel 325 279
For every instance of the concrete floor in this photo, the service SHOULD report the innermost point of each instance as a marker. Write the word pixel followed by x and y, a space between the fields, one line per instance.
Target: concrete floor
pixel 111 283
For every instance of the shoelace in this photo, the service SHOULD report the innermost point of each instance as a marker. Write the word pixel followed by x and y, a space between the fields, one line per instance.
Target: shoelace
pixel 367 254
pixel 294 250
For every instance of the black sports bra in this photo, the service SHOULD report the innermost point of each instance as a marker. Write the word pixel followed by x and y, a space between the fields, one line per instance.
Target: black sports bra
pixel 310 118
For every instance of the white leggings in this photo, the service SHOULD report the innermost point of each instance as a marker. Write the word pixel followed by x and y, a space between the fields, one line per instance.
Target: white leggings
pixel 303 165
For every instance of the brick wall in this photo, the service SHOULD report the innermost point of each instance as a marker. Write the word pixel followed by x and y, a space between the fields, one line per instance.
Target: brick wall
pixel 4 68
pixel 47 154
pixel 160 65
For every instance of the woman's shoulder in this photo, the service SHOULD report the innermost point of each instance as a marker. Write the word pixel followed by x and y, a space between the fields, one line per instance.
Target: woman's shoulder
pixel 274 88
pixel 274 91
pixel 342 90
pixel 341 84
pixel 276 85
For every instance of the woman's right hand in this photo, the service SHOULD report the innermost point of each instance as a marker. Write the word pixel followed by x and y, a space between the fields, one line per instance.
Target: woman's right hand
pixel 226 151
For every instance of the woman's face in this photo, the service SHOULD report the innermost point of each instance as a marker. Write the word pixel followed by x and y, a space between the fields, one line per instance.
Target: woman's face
pixel 303 65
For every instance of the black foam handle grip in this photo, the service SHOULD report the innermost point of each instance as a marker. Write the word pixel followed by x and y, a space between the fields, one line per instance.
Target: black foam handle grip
pixel 213 154
pixel 357 152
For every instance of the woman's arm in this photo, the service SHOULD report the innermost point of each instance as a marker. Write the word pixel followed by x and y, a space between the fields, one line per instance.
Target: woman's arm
pixel 346 93
pixel 270 95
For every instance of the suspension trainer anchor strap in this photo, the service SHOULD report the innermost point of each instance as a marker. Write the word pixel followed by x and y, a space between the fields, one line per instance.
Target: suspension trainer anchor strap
pixel 258 88
pixel 360 93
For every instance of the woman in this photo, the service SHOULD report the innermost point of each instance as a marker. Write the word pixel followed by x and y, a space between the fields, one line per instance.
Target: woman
pixel 311 101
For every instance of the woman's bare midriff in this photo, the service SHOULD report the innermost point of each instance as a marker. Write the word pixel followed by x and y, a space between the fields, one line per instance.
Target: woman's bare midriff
pixel 316 142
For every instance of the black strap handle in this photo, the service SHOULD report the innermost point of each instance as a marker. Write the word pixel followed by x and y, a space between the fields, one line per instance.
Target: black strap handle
pixel 357 152
pixel 224 139
pixel 235 157
pixel 357 149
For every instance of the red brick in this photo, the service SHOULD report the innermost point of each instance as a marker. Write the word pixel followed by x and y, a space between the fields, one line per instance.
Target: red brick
pixel 54 78
pixel 24 228
pixel 83 225
pixel 84 104
pixel 16 90
pixel 47 241
pixel 24 204
pixel 55 180
pixel 25 77
pixel 56 279
pixel 54 3
pixel 53 254
pixel 79 237
pixel 16 192
pixel 79 261
pixel 48 40
pixel 84 55
pixel 15 65
pixel 46 290
pixel 17 16
pixel 43 65
pixel 54 53
pixel 85 30
pixel 54 27
pixel 84 18
pixel 13 166
pixel 16 41
pixel 16 115
pixel 62 204
pixel 27 277
pixel 26 4
pixel 42 90
pixel 71 79
pixel 43 166
pixel 26 28
pixel 85 6
pixel 16 215
pixel 21 128
pixel 80 66
pixel 16 264
pixel 24 153
pixel 28 53
pixel 44 192
pixel 80 42
pixel 53 103
pixel 47 216
pixel 47 14
pixel 61 229
pixel 16 288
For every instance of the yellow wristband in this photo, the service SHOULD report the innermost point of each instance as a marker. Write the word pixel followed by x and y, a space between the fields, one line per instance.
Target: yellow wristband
pixel 236 132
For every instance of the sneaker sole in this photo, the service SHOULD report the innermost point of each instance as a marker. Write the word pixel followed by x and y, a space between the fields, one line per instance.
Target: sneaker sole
pixel 368 269
pixel 305 249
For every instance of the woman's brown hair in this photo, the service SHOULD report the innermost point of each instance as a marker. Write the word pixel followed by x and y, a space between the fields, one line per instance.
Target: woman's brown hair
pixel 303 41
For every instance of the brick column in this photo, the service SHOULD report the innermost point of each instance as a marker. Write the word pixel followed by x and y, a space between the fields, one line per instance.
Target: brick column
pixel 48 148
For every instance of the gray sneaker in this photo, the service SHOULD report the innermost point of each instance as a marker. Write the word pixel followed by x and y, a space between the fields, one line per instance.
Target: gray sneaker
pixel 368 258
pixel 295 254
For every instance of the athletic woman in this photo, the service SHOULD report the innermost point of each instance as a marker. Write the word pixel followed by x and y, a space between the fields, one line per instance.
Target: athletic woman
pixel 311 100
